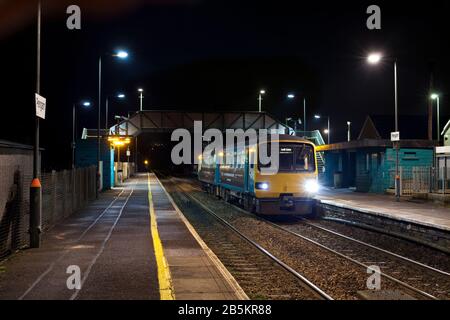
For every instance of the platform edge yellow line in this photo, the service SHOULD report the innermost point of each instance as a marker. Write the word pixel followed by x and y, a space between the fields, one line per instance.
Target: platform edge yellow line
pixel 166 291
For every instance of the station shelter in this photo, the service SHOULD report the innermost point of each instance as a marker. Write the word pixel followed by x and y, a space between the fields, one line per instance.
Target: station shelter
pixel 446 134
pixel 86 155
pixel 368 164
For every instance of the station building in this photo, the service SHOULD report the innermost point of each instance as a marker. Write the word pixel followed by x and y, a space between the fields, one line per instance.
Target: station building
pixel 86 155
pixel 368 164
pixel 446 134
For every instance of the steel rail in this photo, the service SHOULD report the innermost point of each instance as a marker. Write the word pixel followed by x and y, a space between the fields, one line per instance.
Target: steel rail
pixel 399 282
pixel 299 276
pixel 375 247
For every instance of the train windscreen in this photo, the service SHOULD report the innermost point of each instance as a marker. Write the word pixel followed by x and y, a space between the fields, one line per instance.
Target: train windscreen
pixel 294 157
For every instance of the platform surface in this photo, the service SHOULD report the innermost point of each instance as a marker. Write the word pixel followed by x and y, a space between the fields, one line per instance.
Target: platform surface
pixel 423 213
pixel 112 243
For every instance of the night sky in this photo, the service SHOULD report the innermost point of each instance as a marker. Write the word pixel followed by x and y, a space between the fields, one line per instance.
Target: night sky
pixel 217 55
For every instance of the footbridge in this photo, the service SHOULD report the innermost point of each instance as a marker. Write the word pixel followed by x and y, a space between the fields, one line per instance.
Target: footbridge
pixel 167 121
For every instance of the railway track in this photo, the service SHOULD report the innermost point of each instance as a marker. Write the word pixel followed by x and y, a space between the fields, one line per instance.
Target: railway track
pixel 260 273
pixel 415 278
pixel 422 279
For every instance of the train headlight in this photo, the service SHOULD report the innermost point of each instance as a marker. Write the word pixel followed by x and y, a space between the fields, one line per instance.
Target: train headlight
pixel 262 186
pixel 312 186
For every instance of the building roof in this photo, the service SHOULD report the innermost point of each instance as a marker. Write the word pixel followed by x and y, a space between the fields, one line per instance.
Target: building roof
pixel 377 143
pixel 411 127
pixel 93 133
pixel 14 145
pixel 446 128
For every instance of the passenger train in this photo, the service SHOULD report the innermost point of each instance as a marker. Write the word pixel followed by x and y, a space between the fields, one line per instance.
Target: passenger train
pixel 290 191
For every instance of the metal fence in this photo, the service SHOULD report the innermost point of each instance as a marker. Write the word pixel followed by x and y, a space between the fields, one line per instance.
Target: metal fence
pixel 63 193
pixel 415 180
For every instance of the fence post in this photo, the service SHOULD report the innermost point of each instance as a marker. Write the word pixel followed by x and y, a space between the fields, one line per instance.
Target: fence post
pixel 78 188
pixel 401 180
pixel 54 182
pixel 72 180
pixel 430 177
pixel 92 183
pixel 86 185
pixel 445 176
pixel 64 191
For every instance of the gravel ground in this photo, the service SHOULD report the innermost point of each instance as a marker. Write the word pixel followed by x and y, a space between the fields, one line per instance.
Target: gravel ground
pixel 419 277
pixel 411 250
pixel 337 276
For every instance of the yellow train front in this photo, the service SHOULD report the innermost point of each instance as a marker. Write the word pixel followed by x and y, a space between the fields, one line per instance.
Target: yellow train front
pixel 289 191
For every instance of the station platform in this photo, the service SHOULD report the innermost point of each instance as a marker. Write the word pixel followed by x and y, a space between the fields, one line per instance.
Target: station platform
pixel 131 243
pixel 424 213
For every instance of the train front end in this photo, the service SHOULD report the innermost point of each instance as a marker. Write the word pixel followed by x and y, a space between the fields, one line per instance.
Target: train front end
pixel 291 190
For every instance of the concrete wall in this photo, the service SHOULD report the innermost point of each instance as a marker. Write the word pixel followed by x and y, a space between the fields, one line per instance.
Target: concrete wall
pixel 16 169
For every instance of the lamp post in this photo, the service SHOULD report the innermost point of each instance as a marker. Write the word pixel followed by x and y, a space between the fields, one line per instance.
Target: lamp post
pixel 260 98
pixel 121 55
pixel 299 121
pixel 304 115
pixel 35 187
pixel 117 96
pixel 349 138
pixel 376 58
pixel 84 104
pixel 436 97
pixel 141 98
pixel 291 96
pixel 328 130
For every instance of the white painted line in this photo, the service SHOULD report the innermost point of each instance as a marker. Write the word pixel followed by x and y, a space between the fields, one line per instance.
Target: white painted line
pixel 52 265
pixel 102 248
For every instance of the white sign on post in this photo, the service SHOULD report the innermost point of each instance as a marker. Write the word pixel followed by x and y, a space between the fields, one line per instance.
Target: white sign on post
pixel 128 153
pixel 40 106
pixel 395 136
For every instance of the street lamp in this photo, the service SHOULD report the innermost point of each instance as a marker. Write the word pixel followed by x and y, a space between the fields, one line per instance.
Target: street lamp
pixel 291 96
pixel 85 104
pixel 121 54
pixel 261 93
pixel 436 97
pixel 349 138
pixel 120 96
pixel 326 131
pixel 376 58
pixel 141 97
